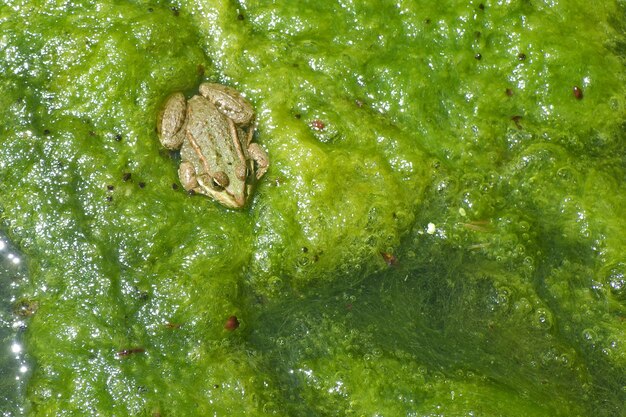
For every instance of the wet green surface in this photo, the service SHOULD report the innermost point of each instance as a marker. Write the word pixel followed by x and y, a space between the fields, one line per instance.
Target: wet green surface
pixel 440 232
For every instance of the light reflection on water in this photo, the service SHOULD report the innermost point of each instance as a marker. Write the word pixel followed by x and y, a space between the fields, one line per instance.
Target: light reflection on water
pixel 14 368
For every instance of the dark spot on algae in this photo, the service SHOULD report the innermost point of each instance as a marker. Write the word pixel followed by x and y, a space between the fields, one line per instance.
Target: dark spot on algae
pixel 578 93
pixel 232 323
pixel 131 351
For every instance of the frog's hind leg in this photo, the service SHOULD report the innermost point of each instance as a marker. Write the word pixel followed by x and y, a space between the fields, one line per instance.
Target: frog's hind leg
pixel 256 153
pixel 234 133
pixel 171 122
pixel 251 130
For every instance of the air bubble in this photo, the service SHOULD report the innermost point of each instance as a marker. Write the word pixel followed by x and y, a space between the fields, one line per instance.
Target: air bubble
pixel 274 284
pixel 565 359
pixel 566 174
pixel 523 306
pixel 502 297
pixel 616 278
pixel 543 319
pixel 590 336
pixel 523 226
pixel 302 261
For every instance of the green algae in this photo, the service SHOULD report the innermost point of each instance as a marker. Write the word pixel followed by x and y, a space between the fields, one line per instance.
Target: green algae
pixel 440 233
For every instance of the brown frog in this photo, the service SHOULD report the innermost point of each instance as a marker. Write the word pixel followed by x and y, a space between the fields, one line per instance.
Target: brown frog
pixel 214 132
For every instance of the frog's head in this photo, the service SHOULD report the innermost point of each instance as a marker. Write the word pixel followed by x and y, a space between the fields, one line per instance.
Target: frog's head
pixel 232 190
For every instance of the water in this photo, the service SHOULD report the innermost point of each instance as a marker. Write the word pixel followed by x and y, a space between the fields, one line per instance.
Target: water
pixel 14 367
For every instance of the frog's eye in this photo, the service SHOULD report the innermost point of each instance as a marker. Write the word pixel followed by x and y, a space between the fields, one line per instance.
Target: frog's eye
pixel 220 180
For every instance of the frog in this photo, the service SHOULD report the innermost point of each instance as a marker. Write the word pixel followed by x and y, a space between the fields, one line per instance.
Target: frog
pixel 214 131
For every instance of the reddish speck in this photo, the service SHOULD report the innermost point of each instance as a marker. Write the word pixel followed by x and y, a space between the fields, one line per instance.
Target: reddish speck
pixel 389 258
pixel 130 351
pixel 578 93
pixel 231 323
pixel 318 124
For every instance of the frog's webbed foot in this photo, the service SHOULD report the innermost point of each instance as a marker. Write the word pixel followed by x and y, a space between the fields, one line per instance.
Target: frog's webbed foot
pixel 259 156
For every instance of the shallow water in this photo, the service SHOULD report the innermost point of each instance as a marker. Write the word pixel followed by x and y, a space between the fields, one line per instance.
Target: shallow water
pixel 14 366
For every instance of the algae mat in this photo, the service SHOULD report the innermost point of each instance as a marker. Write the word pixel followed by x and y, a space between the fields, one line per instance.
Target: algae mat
pixel 440 233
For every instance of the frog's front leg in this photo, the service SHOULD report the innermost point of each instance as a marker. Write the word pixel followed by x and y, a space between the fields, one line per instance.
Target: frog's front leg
pixel 187 175
pixel 190 179
pixel 259 156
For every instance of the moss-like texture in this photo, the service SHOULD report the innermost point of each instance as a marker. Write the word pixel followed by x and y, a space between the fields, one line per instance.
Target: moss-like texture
pixel 441 231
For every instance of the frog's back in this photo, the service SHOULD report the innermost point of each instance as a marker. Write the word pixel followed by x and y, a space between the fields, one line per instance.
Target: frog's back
pixel 210 138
